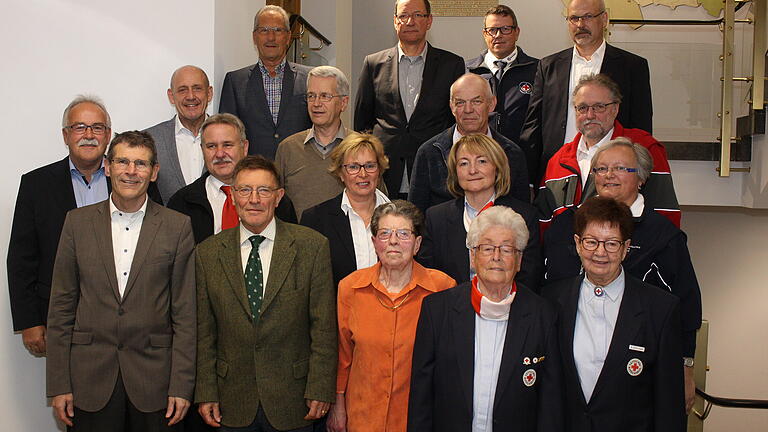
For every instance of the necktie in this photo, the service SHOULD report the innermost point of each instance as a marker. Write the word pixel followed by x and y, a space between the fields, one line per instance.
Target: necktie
pixel 229 217
pixel 501 64
pixel 254 278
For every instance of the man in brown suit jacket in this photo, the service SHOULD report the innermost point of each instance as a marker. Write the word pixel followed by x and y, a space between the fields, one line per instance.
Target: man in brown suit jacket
pixel 267 334
pixel 121 322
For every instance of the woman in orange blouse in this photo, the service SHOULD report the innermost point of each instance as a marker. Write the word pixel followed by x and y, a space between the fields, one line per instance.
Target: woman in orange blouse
pixel 378 310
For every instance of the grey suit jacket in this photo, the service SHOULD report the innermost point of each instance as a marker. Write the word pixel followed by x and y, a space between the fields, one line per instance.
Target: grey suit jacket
pixel 169 178
pixel 290 353
pixel 242 94
pixel 148 335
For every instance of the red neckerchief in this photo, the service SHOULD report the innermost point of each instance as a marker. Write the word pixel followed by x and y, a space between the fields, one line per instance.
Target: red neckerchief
pixel 486 207
pixel 477 296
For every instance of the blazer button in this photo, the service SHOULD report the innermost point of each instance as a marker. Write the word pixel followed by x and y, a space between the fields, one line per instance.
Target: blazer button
pixel 119 346
pixel 277 136
pixel 120 311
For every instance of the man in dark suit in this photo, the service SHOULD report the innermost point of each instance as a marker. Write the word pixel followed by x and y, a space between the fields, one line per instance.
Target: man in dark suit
pixel 471 102
pixel 45 196
pixel 122 321
pixel 268 96
pixel 267 348
pixel 403 92
pixel 178 140
pixel 550 120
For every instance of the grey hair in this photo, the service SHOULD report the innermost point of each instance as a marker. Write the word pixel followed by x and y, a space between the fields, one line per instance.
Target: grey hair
pixel 468 76
pixel 85 99
pixel 643 156
pixel 400 208
pixel 601 80
pixel 225 119
pixel 600 4
pixel 500 216
pixel 342 83
pixel 272 8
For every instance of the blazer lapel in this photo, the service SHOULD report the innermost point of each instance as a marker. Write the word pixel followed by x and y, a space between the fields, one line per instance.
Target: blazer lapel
pixel 390 70
pixel 231 262
pixel 63 182
pixel 169 143
pixel 427 78
pixel 257 96
pixel 457 244
pixel 517 331
pixel 149 227
pixel 463 322
pixel 289 75
pixel 342 228
pixel 568 325
pixel 102 228
pixel 280 265
pixel 562 82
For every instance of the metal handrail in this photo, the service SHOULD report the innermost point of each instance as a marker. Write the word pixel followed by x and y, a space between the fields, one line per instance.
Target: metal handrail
pixel 727 403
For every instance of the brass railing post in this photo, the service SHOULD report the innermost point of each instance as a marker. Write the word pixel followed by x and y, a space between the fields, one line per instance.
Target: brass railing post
pixel 726 105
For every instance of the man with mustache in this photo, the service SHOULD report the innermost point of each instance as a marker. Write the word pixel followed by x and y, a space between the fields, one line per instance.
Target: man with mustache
pixel 178 140
pixel 268 96
pixel 550 120
pixel 568 181
pixel 208 200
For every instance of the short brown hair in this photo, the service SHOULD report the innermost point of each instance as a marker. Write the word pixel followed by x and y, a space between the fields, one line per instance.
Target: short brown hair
pixel 601 80
pixel 353 143
pixel 133 139
pixel 400 208
pixel 502 10
pixel 257 162
pixel 604 210
pixel 479 144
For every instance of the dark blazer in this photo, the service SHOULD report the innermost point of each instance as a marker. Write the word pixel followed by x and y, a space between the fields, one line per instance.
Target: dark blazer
pixel 147 335
pixel 430 170
pixel 444 246
pixel 45 196
pixel 192 201
pixel 378 106
pixel 544 130
pixel 242 94
pixel 442 374
pixel 169 178
pixel 649 402
pixel 290 353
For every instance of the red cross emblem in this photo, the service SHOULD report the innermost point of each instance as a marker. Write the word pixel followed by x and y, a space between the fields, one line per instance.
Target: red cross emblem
pixel 525 87
pixel 635 367
pixel 529 377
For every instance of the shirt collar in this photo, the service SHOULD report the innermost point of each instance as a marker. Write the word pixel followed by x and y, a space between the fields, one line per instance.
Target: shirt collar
pixel 73 169
pixel 278 70
pixel 597 56
pixel 113 209
pixel 340 134
pixel 638 206
pixel 613 290
pixel 401 53
pixel 457 135
pixel 346 206
pixel 268 232
pixel 419 277
pixel 179 128
pixel 489 58
pixel 582 149
pixel 214 182
pixel 471 211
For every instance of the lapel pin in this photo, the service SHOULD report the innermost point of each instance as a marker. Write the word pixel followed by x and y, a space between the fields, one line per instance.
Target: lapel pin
pixel 637 348
pixel 635 367
pixel 529 377
pixel 599 291
pixel 527 361
pixel 535 360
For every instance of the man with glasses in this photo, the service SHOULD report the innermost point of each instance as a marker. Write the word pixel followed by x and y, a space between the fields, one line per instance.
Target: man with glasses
pixel 507 68
pixel 267 336
pixel 122 321
pixel 303 158
pixel 402 95
pixel 268 96
pixel 567 181
pixel 550 120
pixel 45 196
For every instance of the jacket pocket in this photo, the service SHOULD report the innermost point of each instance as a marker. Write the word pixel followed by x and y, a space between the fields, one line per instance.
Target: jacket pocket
pixel 301 368
pixel 221 368
pixel 82 338
pixel 160 340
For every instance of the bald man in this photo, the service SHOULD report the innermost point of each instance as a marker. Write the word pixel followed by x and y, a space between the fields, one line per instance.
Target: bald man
pixel 178 139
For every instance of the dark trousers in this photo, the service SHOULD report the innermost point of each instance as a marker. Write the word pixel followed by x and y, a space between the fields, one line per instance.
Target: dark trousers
pixel 119 415
pixel 261 424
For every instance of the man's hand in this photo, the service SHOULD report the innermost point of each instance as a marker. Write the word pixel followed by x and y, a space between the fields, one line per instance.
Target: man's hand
pixel 210 413
pixel 177 409
pixel 337 419
pixel 34 340
pixel 690 389
pixel 64 408
pixel 317 409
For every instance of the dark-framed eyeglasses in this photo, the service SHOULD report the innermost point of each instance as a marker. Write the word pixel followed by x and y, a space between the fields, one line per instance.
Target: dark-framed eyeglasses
pixel 403 18
pixel 402 234
pixel 123 163
pixel 493 31
pixel 96 128
pixel 487 250
pixel 597 108
pixel 261 191
pixel 354 168
pixel 574 19
pixel 324 97
pixel 601 171
pixel 591 244
pixel 276 30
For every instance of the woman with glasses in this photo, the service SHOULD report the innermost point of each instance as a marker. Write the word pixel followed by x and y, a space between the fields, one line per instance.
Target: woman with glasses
pixel 620 338
pixel 486 354
pixel 378 309
pixel 359 162
pixel 658 253
pixel 478 176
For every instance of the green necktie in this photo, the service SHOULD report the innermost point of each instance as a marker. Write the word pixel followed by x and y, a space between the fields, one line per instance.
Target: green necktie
pixel 254 278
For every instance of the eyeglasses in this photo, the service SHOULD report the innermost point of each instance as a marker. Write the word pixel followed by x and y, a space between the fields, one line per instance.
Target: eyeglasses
pixel 124 163
pixel 275 30
pixel 402 234
pixel 592 244
pixel 405 17
pixel 354 168
pixel 597 108
pixel 487 250
pixel 80 128
pixel 461 103
pixel 493 31
pixel 574 19
pixel 261 191
pixel 601 171
pixel 324 97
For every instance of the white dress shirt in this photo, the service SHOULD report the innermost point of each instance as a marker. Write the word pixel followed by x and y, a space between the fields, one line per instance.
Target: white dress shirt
pixel 265 248
pixel 216 198
pixel 457 135
pixel 489 345
pixel 638 206
pixel 584 155
pixel 580 67
pixel 365 254
pixel 592 334
pixel 125 235
pixel 489 60
pixel 189 151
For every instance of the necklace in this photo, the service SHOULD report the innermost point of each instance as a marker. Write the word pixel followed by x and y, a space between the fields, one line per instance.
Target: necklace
pixel 395 307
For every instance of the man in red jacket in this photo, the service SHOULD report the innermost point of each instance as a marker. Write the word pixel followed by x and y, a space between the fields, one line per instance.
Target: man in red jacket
pixel 567 180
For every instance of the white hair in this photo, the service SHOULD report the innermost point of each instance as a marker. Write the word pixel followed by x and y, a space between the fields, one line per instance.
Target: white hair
pixel 500 216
